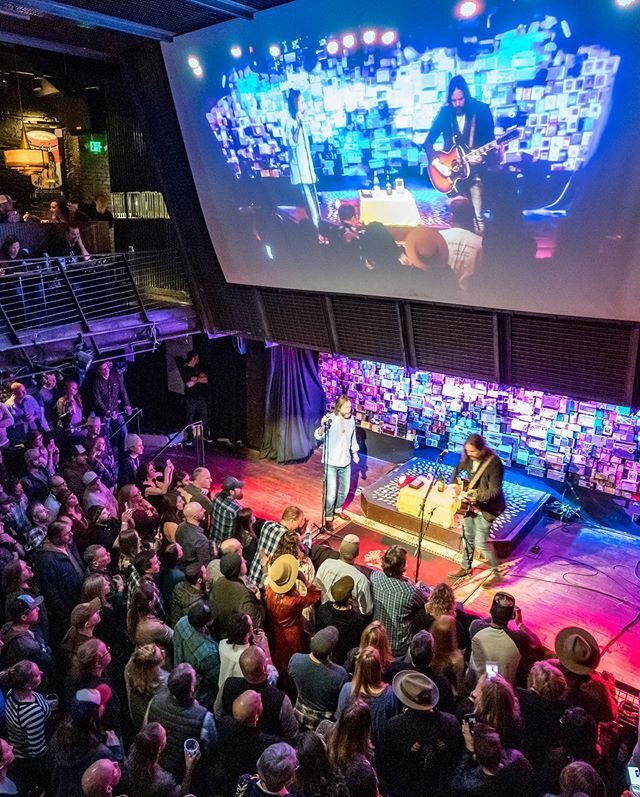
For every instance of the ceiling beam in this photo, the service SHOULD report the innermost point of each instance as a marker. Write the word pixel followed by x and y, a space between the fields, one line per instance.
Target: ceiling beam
pixel 54 46
pixel 83 16
pixel 232 7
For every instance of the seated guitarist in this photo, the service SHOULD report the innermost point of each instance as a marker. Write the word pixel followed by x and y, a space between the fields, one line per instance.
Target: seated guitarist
pixel 484 508
pixel 462 120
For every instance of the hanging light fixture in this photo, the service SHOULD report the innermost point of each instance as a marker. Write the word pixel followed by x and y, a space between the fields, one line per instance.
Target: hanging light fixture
pixel 25 159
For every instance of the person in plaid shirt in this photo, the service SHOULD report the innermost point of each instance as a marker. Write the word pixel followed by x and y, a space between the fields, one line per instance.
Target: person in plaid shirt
pixel 292 519
pixel 193 643
pixel 396 598
pixel 224 509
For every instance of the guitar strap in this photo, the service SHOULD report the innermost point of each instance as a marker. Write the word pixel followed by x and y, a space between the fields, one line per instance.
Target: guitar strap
pixel 479 472
pixel 472 132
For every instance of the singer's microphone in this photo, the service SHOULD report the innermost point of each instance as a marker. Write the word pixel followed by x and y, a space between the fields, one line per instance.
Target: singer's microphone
pixel 443 453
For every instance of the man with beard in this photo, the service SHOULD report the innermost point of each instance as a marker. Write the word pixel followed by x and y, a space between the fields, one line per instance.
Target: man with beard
pixel 467 122
pixel 485 473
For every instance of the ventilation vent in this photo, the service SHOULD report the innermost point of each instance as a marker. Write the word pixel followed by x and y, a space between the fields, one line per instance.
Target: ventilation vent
pixel 454 340
pixel 368 329
pixel 296 318
pixel 236 311
pixel 581 359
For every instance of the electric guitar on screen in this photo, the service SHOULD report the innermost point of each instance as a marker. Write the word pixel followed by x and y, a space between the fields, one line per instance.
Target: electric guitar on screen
pixel 447 168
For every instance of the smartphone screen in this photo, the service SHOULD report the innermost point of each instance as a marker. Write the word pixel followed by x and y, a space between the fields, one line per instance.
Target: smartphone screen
pixel 470 719
pixel 492 669
pixel 634 779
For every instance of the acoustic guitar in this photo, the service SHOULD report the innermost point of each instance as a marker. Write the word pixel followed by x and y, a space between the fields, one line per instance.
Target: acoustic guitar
pixel 457 161
pixel 467 497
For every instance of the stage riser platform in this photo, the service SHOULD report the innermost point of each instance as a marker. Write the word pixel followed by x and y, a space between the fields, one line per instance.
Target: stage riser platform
pixel 524 508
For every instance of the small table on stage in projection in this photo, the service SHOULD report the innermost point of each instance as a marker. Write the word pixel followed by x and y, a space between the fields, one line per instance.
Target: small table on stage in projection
pixel 397 209
pixel 444 504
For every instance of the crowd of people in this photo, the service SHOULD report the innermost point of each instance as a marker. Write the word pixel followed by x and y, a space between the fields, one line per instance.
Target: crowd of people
pixel 60 211
pixel 159 639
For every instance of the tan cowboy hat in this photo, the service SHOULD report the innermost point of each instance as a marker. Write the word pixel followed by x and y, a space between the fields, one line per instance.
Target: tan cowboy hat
pixel 415 690
pixel 577 650
pixel 283 573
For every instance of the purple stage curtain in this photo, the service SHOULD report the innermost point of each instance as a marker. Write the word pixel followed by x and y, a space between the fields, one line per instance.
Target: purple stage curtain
pixel 294 405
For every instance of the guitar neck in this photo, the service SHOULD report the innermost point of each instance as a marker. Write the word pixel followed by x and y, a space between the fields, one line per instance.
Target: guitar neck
pixel 484 148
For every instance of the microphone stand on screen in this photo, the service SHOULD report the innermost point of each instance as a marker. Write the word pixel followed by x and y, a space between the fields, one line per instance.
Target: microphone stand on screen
pixel 423 528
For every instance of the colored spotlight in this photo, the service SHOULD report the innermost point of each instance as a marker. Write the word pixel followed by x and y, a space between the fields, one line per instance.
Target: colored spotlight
pixel 193 62
pixel 275 51
pixel 348 41
pixel 468 9
pixel 236 51
pixel 626 3
pixel 369 36
pixel 332 47
pixel 198 71
pixel 388 37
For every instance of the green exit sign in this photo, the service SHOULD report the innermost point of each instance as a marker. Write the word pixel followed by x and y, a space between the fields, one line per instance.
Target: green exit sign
pixel 96 147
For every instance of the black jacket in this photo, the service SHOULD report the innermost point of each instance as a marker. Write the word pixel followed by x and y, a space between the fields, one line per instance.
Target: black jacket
pixel 60 579
pixel 490 501
pixel 474 133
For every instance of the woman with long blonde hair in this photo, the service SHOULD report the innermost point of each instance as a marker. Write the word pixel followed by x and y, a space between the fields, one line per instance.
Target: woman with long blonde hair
pixel 143 678
pixel 375 636
pixel 496 704
pixel 367 685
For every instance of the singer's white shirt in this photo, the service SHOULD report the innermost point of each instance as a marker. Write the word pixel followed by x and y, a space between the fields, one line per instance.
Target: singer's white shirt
pixel 340 441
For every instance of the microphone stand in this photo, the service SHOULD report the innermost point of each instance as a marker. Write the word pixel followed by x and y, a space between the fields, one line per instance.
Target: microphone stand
pixel 423 528
pixel 325 473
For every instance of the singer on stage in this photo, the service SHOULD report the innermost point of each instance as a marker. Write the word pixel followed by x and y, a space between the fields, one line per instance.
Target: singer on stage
pixel 337 432
pixel 484 475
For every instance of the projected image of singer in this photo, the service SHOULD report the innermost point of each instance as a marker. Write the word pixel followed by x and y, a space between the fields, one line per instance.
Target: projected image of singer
pixel 300 160
pixel 483 501
pixel 462 122
pixel 337 432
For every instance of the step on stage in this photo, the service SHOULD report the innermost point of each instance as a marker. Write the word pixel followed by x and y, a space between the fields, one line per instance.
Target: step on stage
pixel 524 507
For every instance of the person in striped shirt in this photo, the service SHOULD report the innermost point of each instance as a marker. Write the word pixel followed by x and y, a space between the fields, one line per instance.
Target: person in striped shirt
pixel 26 714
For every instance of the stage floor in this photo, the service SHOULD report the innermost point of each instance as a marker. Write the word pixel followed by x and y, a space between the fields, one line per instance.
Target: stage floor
pixel 524 507
pixel 584 573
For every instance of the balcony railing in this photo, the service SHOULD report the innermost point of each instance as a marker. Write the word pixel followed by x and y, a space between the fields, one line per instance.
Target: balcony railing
pixel 54 291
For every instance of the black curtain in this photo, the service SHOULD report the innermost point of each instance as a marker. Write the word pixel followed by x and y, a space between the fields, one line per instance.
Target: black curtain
pixel 294 404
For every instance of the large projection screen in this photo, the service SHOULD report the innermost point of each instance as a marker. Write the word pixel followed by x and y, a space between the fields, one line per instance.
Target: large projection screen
pixel 369 149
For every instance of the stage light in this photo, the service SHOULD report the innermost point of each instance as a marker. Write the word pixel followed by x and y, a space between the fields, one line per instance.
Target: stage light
pixel 236 51
pixel 626 3
pixel 566 29
pixel 193 62
pixel 198 71
pixel 388 37
pixel 468 9
pixel 275 51
pixel 369 36
pixel 333 47
pixel 348 41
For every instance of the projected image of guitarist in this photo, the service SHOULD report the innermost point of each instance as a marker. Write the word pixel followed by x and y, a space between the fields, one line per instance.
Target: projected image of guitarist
pixel 462 122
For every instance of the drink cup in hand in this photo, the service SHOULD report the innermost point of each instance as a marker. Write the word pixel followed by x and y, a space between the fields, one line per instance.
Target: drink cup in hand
pixel 191 748
pixel 53 700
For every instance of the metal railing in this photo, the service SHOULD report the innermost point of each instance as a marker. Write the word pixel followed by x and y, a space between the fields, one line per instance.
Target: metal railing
pixel 51 291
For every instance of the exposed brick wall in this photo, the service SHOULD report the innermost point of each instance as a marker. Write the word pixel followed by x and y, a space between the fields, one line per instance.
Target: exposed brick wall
pixel 86 173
